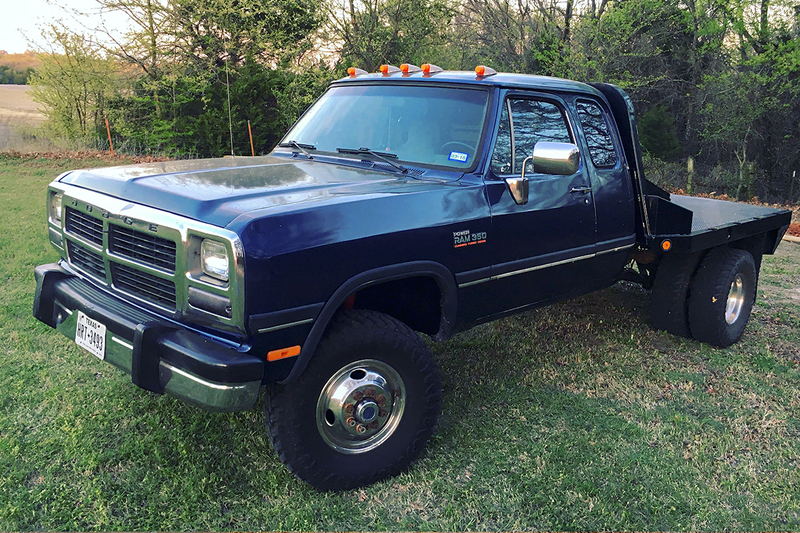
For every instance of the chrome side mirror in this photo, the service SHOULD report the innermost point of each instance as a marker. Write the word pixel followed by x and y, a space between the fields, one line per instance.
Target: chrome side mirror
pixel 561 159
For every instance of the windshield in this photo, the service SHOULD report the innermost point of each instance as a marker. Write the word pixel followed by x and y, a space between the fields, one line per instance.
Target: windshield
pixel 439 126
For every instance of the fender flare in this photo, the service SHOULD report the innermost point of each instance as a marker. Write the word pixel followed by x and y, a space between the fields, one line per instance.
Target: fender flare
pixel 440 274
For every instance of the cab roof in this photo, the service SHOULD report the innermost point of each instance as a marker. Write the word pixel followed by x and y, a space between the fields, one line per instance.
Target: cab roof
pixel 453 77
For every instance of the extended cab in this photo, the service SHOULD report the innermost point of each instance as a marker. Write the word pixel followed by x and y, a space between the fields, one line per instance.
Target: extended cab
pixel 413 200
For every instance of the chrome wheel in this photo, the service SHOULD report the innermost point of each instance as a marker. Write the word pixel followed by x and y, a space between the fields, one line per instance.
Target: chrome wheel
pixel 360 406
pixel 733 308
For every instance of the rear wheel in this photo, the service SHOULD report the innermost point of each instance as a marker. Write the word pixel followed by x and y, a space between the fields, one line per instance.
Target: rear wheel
pixel 722 296
pixel 363 409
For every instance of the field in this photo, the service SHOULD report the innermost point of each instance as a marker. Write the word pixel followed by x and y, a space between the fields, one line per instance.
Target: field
pixel 573 417
pixel 19 117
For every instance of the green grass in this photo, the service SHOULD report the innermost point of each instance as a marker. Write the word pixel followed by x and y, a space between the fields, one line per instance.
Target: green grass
pixel 577 417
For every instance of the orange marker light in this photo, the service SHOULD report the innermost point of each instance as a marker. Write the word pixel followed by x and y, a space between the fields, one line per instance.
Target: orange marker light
pixel 483 71
pixel 388 70
pixel 405 68
pixel 428 69
pixel 666 245
pixel 277 355
pixel 353 72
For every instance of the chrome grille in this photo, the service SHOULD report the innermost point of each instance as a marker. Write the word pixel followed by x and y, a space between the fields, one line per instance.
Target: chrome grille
pixel 84 225
pixel 149 252
pixel 88 261
pixel 141 247
pixel 143 285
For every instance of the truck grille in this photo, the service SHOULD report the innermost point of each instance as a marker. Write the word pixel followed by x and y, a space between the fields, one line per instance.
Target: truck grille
pixel 144 285
pixel 86 260
pixel 137 246
pixel 86 226
pixel 149 251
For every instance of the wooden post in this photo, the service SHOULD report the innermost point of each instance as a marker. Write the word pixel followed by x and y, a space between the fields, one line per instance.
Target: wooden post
pixel 250 132
pixel 690 174
pixel 108 130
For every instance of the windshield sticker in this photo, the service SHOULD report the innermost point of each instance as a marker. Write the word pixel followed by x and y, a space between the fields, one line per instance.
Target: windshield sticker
pixel 467 238
pixel 458 156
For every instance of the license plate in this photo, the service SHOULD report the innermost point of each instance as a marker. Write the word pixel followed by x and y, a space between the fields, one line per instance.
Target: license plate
pixel 91 334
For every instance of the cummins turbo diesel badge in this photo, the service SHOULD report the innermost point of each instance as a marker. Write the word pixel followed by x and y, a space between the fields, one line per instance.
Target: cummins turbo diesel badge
pixel 465 238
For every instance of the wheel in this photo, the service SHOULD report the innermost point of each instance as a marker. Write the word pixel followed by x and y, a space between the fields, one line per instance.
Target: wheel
pixel 363 409
pixel 668 300
pixel 456 144
pixel 721 296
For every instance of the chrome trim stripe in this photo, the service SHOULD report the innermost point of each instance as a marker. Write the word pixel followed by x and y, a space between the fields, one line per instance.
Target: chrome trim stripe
pixel 540 267
pixel 122 342
pixel 200 381
pixel 284 326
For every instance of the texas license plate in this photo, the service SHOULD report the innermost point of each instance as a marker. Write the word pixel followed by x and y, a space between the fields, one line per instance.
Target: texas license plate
pixel 91 334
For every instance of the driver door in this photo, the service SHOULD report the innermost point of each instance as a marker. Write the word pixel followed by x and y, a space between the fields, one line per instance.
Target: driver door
pixel 543 248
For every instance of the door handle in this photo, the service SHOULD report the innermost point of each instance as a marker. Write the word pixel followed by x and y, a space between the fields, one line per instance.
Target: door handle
pixel 583 190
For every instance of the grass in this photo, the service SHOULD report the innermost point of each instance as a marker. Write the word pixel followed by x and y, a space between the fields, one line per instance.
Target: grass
pixel 577 417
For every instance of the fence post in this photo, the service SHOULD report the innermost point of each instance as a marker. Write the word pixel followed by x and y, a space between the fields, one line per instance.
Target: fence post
pixel 108 130
pixel 250 132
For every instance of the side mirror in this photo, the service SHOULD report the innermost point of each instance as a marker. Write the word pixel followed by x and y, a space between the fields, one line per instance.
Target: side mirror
pixel 561 159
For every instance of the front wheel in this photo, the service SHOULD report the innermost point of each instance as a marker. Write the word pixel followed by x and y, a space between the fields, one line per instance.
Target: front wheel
pixel 363 409
pixel 722 295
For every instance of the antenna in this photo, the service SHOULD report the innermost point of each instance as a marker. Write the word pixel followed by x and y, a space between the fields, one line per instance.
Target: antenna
pixel 228 87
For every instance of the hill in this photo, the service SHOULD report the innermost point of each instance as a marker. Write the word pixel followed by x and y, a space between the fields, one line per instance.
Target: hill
pixel 19 62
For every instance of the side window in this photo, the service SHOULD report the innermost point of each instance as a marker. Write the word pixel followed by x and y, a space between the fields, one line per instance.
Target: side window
pixel 523 123
pixel 597 133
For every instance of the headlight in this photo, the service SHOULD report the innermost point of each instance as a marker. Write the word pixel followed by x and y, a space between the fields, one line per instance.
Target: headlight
pixel 214 258
pixel 55 207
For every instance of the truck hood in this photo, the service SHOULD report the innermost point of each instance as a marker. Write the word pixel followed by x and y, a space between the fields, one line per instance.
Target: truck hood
pixel 216 191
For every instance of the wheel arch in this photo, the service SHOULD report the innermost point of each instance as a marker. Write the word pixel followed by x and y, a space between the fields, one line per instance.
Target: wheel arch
pixel 371 280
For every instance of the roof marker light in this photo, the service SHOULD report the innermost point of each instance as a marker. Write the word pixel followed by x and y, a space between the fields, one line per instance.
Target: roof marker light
pixel 388 70
pixel 482 71
pixel 407 69
pixel 354 72
pixel 429 69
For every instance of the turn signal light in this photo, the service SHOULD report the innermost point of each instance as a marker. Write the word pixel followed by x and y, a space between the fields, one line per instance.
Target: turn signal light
pixel 666 245
pixel 277 355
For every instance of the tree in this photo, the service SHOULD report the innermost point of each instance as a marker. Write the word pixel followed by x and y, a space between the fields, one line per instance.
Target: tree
pixel 373 32
pixel 74 84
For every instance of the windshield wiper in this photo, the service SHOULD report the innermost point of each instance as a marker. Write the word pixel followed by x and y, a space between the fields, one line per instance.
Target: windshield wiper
pixel 300 146
pixel 383 156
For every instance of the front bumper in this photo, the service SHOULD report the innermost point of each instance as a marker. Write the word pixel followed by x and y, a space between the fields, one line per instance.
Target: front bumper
pixel 160 356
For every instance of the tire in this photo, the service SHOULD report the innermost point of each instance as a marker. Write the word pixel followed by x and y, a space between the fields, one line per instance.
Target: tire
pixel 363 409
pixel 669 309
pixel 722 296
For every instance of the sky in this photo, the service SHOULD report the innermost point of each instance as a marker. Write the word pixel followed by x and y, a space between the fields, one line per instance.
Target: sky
pixel 24 18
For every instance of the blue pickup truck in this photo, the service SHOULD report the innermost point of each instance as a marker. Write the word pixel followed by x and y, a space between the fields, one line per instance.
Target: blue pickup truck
pixel 413 200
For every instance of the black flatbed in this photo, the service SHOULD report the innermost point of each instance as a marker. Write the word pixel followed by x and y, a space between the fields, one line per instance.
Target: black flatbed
pixel 717 222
